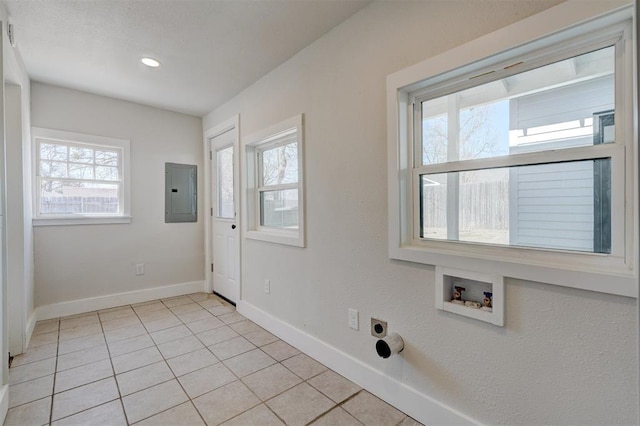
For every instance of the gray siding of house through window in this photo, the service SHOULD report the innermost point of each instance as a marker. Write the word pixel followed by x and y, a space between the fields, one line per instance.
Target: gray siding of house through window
pixel 552 206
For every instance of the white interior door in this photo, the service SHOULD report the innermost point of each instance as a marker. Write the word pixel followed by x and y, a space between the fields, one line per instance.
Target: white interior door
pixel 225 221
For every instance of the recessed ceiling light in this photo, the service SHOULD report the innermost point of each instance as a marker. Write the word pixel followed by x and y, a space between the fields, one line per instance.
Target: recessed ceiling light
pixel 150 62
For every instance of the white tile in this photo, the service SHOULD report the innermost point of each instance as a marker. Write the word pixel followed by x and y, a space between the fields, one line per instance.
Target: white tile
pixel 109 414
pixel 143 377
pixel 162 324
pixel 260 337
pixel 249 362
pixel 84 397
pixel 154 400
pixel 225 402
pixel 206 379
pixel 209 303
pixel 178 347
pixel 280 350
pixel 337 416
pixel 260 415
pixel 155 315
pixel 194 316
pixel 32 371
pixel 217 335
pixel 205 324
pixel 245 326
pixel 184 415
pixel 188 307
pixel 231 348
pixel 136 359
pixel 198 297
pixel 132 344
pixel 304 366
pixel 371 410
pixel 86 356
pixel 300 405
pixel 79 376
pixel 334 386
pixel 122 322
pixel 46 326
pixel 191 361
pixel 30 391
pixel 79 321
pixel 114 314
pixel 34 413
pixel 176 301
pixel 271 381
pixel 81 343
pixel 221 310
pixel 81 331
pixel 43 339
pixel 124 333
pixel 170 334
pixel 231 317
pixel 35 354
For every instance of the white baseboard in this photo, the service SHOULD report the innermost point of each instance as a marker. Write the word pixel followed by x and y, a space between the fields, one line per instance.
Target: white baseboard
pixel 4 402
pixel 417 405
pixel 31 323
pixel 73 307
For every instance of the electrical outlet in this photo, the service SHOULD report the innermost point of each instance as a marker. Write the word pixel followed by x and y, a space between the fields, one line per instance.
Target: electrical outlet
pixel 378 328
pixel 353 319
pixel 140 269
pixel 267 286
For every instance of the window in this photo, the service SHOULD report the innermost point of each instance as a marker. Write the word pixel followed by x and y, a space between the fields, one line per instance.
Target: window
pixel 520 161
pixel 80 179
pixel 276 204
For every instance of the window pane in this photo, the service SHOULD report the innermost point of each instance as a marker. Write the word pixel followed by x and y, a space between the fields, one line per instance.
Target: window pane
pixel 107 158
pixel 53 169
pixel 560 105
pixel 279 208
pixel 106 173
pixel 63 197
pixel 80 171
pixel 226 208
pixel 280 165
pixel 80 155
pixel 564 206
pixel 49 151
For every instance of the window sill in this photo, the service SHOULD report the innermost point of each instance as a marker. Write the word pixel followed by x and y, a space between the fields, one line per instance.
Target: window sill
pixel 81 220
pixel 278 237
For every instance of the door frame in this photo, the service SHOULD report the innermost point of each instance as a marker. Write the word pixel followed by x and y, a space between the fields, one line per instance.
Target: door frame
pixel 232 124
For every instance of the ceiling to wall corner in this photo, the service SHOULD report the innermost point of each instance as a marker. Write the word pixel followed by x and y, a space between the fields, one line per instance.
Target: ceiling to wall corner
pixel 209 50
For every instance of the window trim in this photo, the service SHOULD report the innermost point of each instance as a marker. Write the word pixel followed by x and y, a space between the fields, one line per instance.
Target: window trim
pixel 276 135
pixel 79 139
pixel 554 27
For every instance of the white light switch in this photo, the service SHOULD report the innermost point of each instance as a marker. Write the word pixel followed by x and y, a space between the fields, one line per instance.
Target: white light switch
pixel 353 318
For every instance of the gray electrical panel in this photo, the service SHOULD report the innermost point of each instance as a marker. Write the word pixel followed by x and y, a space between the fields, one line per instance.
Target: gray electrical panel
pixel 180 193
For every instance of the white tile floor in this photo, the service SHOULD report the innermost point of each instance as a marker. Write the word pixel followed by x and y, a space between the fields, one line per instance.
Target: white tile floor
pixel 188 360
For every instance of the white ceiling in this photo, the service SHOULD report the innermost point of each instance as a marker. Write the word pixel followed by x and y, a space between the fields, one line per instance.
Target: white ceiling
pixel 210 50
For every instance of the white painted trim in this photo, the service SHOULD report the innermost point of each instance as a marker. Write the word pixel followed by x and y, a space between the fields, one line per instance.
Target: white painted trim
pixel 414 403
pixel 31 323
pixel 73 307
pixel 4 402
pixel 233 124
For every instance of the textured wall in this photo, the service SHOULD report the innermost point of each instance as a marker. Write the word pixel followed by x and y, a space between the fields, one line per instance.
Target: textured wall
pixel 564 356
pixel 76 262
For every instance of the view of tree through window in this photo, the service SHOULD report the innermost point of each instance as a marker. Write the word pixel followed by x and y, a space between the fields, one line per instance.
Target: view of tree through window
pixel 77 179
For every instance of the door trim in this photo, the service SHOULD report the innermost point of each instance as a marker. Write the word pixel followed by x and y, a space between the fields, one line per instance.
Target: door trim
pixel 231 124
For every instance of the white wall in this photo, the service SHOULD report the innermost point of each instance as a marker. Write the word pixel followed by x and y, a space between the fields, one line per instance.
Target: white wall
pixel 78 262
pixel 565 356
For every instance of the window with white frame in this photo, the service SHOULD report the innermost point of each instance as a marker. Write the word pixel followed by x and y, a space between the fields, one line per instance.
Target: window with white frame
pixel 80 179
pixel 521 162
pixel 275 183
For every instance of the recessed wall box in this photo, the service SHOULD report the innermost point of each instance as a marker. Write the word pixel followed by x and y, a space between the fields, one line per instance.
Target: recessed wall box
pixel 181 193
pixel 472 294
